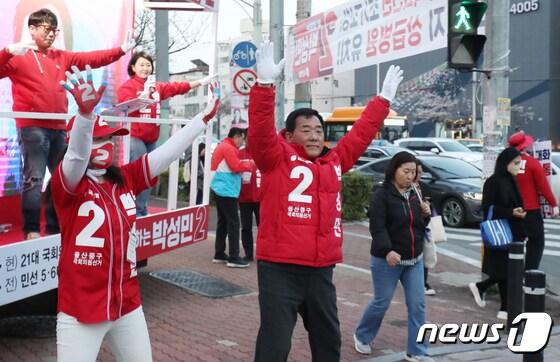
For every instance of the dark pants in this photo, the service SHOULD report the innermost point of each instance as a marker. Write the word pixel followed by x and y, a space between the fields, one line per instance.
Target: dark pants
pixel 228 226
pixel 138 149
pixel 534 227
pixel 40 148
pixel 286 290
pixel 502 288
pixel 247 210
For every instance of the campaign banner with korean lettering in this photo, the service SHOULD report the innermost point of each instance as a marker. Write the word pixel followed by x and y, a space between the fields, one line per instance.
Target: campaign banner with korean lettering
pixel 166 231
pixel 362 33
pixel 541 150
pixel 28 268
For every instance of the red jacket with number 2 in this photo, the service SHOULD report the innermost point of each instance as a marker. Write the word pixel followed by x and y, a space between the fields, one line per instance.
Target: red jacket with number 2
pixel 301 201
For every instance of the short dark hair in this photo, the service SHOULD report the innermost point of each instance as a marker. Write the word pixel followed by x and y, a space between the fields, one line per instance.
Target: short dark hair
pixel 396 162
pixel 135 58
pixel 304 112
pixel 42 16
pixel 235 131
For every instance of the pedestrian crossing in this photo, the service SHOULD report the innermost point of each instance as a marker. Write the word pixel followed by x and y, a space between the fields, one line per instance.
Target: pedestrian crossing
pixel 472 236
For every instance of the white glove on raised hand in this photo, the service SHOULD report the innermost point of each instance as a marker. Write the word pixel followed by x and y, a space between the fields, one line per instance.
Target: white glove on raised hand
pixel 214 103
pixel 128 42
pixel 206 80
pixel 149 87
pixel 555 211
pixel 267 70
pixel 21 48
pixel 392 80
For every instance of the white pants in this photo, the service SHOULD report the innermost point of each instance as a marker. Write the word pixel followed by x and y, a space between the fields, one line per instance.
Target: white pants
pixel 128 338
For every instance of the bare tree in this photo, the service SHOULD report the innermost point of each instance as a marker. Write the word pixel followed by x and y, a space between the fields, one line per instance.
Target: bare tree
pixel 185 29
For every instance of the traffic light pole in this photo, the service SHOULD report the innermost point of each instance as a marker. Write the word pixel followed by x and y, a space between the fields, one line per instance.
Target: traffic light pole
pixel 496 85
pixel 277 36
pixel 303 90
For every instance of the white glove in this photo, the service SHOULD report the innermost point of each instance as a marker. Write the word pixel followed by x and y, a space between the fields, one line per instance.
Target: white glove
pixel 206 80
pixel 267 70
pixel 149 87
pixel 21 48
pixel 392 80
pixel 129 42
pixel 555 211
pixel 212 107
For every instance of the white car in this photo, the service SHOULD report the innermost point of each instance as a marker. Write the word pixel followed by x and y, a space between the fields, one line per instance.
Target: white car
pixel 441 146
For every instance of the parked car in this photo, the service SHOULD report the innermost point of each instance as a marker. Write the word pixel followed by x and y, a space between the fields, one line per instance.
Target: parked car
pixel 455 184
pixel 475 147
pixel 440 146
pixel 383 151
pixel 469 141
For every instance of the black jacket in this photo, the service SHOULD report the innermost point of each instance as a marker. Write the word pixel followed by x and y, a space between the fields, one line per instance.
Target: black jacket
pixel 396 223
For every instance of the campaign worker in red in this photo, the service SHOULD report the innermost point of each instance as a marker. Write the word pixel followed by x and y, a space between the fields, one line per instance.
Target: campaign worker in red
pixel 98 292
pixel 300 232
pixel 35 70
pixel 142 84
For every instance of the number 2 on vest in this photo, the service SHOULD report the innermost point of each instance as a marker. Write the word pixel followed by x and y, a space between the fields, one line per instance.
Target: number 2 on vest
pixel 85 237
pixel 297 193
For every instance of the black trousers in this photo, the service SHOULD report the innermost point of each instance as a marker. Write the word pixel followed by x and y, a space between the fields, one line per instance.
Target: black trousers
pixel 247 210
pixel 502 288
pixel 228 226
pixel 534 227
pixel 286 290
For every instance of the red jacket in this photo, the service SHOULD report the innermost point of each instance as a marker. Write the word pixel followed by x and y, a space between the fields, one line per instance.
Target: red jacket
pixel 532 183
pixel 301 204
pixel 148 132
pixel 36 80
pixel 250 181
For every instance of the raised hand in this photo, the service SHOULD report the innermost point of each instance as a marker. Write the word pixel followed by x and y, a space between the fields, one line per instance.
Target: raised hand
pixel 212 106
pixel 21 48
pixel 206 80
pixel 83 92
pixel 267 69
pixel 392 80
pixel 128 42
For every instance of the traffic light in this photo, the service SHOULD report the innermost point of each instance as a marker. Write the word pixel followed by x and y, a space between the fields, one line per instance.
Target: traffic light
pixel 464 44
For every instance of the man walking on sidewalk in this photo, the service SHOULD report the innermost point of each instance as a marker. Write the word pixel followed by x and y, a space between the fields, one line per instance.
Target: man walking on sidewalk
pixel 300 235
pixel 226 185
pixel 532 183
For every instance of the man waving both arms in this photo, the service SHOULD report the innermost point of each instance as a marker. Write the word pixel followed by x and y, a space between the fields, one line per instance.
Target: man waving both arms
pixel 300 236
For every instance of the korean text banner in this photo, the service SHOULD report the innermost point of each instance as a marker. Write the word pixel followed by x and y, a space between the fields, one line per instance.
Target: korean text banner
pixel 362 33
pixel 84 26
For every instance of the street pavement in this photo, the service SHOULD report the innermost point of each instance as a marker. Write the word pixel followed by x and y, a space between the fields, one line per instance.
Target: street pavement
pixel 188 327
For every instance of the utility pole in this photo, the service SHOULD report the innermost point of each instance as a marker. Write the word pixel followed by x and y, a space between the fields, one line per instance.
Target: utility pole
pixel 277 36
pixel 303 90
pixel 496 61
pixel 257 22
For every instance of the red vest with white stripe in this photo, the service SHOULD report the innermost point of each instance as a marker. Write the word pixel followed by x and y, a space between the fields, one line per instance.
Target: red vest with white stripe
pixel 96 282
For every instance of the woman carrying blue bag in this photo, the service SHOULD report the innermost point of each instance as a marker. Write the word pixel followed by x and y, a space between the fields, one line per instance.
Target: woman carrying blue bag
pixel 502 194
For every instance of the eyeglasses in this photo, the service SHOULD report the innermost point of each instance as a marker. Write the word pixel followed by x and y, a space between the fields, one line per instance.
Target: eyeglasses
pixel 47 29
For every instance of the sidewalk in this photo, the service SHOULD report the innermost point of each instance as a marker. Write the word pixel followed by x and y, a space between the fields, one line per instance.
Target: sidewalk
pixel 188 327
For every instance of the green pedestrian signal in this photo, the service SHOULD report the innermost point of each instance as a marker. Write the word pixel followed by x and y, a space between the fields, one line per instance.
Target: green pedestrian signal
pixel 464 44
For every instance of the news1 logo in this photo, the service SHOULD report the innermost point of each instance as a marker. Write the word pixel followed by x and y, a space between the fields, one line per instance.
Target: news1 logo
pixel 533 336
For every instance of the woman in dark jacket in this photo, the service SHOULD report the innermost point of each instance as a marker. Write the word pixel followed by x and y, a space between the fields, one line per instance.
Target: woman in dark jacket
pixel 398 219
pixel 501 192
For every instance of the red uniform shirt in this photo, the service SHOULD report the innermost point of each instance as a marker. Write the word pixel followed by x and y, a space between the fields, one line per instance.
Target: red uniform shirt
pixel 301 201
pixel 250 181
pixel 36 80
pixel 148 132
pixel 532 183
pixel 96 282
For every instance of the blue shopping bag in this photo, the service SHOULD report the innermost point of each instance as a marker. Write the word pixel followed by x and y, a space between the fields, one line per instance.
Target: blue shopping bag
pixel 496 234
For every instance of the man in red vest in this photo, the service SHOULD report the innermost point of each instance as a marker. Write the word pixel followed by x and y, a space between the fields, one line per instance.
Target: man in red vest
pixel 300 234
pixel 249 198
pixel 532 183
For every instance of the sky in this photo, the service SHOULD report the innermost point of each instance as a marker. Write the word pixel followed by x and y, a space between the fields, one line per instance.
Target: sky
pixel 231 12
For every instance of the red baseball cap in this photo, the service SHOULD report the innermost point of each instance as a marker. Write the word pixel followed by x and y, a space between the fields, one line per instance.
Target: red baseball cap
pixel 100 129
pixel 520 140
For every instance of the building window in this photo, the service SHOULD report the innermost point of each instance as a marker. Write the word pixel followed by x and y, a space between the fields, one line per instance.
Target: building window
pixel 191 110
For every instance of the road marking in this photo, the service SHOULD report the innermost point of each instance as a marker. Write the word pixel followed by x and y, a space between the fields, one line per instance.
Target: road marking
pixel 354 268
pixel 463 237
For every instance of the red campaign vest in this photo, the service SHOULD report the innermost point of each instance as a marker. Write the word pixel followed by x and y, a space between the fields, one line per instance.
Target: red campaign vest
pixel 250 181
pixel 301 202
pixel 96 282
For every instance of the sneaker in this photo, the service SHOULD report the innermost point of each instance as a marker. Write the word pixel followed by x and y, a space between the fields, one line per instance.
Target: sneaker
pixel 476 294
pixel 502 315
pixel 220 258
pixel 428 290
pixel 32 235
pixel 361 347
pixel 237 262
pixel 248 258
pixel 416 358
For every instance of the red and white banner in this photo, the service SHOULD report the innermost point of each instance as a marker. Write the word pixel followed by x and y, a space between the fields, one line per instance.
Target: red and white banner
pixel 165 231
pixel 362 33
